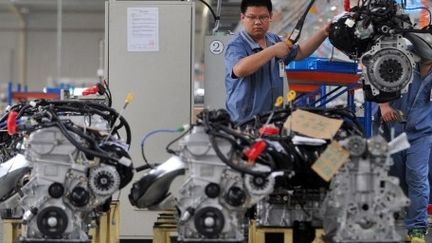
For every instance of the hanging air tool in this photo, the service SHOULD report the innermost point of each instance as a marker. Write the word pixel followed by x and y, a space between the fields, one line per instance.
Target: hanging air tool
pixel 295 34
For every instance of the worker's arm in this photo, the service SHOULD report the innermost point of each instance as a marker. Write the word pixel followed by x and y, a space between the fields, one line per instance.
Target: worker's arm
pixel 307 47
pixel 388 114
pixel 425 68
pixel 250 64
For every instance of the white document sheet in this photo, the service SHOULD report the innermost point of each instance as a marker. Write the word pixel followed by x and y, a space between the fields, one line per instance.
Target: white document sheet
pixel 143 29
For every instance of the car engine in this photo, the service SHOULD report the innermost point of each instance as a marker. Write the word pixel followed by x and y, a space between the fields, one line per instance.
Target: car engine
pixel 230 168
pixel 77 162
pixel 364 203
pixel 374 33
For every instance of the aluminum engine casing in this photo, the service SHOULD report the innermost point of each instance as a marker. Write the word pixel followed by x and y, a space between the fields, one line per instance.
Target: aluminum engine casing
pixel 283 208
pixel 363 200
pixel 213 200
pixel 64 217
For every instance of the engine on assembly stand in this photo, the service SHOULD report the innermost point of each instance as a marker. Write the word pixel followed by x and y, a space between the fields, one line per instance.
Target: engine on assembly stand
pixel 364 203
pixel 374 33
pixel 76 167
pixel 213 201
pixel 297 200
pixel 231 168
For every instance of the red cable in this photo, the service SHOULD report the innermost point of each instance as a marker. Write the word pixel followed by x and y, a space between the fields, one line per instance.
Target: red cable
pixel 347 5
pixel 11 122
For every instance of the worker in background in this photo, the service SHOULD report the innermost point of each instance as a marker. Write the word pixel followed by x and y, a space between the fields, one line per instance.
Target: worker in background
pixel 255 61
pixel 411 165
pixel 430 179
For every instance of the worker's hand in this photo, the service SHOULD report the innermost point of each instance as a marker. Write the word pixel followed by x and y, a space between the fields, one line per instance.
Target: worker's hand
pixel 281 49
pixel 388 114
pixel 326 29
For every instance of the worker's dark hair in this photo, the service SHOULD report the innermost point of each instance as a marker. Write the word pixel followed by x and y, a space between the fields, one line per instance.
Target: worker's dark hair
pixel 255 3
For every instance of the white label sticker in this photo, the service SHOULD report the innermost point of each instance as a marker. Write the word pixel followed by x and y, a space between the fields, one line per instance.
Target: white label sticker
pixel 281 69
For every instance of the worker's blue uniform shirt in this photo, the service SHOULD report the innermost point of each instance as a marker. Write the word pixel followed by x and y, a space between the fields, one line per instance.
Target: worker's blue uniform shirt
pixel 411 165
pixel 256 93
pixel 417 108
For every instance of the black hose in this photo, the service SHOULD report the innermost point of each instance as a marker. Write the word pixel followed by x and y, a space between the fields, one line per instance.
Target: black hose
pixel 77 144
pixel 230 163
pixel 95 108
pixel 142 167
pixel 211 10
pixel 168 149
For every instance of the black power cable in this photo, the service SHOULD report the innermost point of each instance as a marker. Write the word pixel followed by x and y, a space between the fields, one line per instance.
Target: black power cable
pixel 77 144
pixel 216 129
pixel 79 107
pixel 47 114
pixel 168 147
pixel 230 163
pixel 211 10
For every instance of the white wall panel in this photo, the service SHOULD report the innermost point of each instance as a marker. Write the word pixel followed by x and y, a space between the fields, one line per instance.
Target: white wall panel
pixel 80 46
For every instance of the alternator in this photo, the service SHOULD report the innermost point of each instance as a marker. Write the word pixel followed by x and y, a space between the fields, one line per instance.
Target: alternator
pixel 104 180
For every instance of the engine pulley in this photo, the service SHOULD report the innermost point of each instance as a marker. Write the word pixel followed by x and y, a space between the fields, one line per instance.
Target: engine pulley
pixel 212 190
pixel 52 222
pixel 79 197
pixel 56 190
pixel 377 146
pixel 259 185
pixel 235 196
pixel 356 145
pixel 104 180
pixel 209 221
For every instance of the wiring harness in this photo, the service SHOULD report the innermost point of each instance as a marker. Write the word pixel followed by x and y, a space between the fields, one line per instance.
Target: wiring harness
pixel 22 119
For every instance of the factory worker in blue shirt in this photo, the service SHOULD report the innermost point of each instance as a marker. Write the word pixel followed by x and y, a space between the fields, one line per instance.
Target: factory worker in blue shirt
pixel 253 59
pixel 411 165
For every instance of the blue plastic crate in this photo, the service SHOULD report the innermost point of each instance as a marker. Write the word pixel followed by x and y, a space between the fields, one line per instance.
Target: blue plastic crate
pixel 322 65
